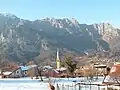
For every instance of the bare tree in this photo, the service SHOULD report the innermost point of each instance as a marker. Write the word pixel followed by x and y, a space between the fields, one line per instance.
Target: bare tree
pixel 39 70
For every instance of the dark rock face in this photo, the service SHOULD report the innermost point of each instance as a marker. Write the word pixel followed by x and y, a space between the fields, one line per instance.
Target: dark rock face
pixel 22 40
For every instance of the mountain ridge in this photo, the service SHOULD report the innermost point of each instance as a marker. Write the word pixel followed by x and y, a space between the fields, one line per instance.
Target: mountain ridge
pixel 23 40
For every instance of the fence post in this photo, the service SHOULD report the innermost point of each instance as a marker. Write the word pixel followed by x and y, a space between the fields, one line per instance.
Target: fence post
pixel 98 87
pixel 58 87
pixel 79 87
pixel 75 84
pixel 90 85
pixel 68 86
pixel 62 86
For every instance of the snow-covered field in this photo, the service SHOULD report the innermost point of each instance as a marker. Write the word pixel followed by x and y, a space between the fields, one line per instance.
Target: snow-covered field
pixel 29 84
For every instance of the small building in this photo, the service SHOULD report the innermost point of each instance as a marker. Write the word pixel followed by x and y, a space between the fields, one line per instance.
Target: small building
pixel 62 70
pixel 86 71
pixel 13 73
pixel 79 73
pixel 33 71
pixel 114 75
pixel 20 71
pixel 100 69
pixel 51 73
pixel 30 71
pixel 48 67
pixel 25 70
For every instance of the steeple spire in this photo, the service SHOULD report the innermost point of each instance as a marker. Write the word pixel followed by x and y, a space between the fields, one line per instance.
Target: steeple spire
pixel 57 54
pixel 58 60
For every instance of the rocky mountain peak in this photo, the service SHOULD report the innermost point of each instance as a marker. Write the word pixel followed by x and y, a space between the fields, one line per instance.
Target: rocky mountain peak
pixel 9 15
pixel 24 39
pixel 74 21
pixel 107 31
pixel 62 23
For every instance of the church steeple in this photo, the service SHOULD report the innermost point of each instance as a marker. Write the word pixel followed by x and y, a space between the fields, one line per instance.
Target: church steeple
pixel 58 60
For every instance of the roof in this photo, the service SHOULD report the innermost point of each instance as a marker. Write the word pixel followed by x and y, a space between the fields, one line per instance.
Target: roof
pixel 33 65
pixel 55 71
pixel 77 71
pixel 47 67
pixel 23 68
pixel 63 74
pixel 10 69
pixel 6 73
pixel 100 66
pixel 62 69
pixel 111 80
pixel 115 70
pixel 114 75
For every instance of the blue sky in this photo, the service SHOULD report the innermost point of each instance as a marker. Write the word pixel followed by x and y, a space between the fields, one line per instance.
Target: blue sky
pixel 85 11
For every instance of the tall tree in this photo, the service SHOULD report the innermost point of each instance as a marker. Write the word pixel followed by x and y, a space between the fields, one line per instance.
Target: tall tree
pixel 70 64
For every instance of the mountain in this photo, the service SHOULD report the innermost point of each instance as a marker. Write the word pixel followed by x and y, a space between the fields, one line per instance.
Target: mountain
pixel 22 40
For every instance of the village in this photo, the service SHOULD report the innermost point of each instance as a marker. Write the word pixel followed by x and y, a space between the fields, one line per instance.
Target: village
pixel 12 70
pixel 91 71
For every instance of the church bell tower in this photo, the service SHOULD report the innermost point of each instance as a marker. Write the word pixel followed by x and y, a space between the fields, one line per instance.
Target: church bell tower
pixel 58 60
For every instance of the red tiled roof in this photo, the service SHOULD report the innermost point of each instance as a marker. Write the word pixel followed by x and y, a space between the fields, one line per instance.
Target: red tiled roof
pixel 115 70
pixel 10 69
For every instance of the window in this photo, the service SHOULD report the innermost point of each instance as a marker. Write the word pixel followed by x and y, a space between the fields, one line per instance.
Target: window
pixel 25 72
pixel 17 71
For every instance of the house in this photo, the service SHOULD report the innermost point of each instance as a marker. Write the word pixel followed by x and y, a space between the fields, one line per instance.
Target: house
pixel 10 69
pixel 30 71
pixel 48 67
pixel 62 69
pixel 25 70
pixel 33 71
pixel 20 71
pixel 51 73
pixel 12 72
pixel 114 75
pixel 100 69
pixel 79 72
pixel 86 70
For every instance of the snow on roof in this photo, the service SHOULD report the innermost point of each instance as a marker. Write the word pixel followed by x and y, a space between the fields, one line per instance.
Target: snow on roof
pixel 23 68
pixel 100 66
pixel 27 67
pixel 56 71
pixel 6 73
pixel 62 69
pixel 33 65
pixel 47 67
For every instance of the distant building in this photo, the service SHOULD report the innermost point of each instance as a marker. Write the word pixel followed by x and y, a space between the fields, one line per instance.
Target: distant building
pixel 48 67
pixel 30 71
pixel 33 71
pixel 87 70
pixel 51 73
pixel 25 70
pixel 14 73
pixel 20 71
pixel 114 76
pixel 100 69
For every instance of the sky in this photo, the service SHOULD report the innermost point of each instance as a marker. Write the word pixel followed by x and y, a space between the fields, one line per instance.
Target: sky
pixel 85 11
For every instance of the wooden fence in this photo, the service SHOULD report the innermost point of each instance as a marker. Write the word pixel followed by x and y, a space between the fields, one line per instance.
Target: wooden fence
pixel 84 86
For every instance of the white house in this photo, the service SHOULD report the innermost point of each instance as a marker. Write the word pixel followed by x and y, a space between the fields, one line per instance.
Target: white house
pixel 16 73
